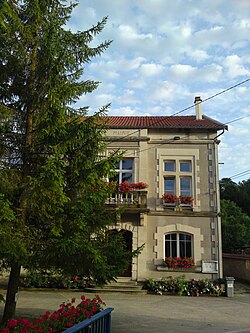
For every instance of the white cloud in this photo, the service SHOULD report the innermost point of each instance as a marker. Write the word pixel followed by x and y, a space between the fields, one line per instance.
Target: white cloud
pixel 165 52
pixel 129 97
pixel 234 66
pixel 129 33
pixel 151 69
pixel 182 71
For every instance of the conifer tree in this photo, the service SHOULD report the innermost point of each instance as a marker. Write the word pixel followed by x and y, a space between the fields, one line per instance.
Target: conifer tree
pixel 52 212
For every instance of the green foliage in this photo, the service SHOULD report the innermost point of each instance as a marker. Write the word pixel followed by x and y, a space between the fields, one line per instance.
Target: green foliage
pixel 235 227
pixel 51 215
pixel 182 287
pixel 69 314
pixel 51 280
pixel 238 193
pixel 2 299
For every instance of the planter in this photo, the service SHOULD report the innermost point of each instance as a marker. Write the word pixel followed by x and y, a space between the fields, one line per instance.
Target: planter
pixel 99 323
pixel 171 269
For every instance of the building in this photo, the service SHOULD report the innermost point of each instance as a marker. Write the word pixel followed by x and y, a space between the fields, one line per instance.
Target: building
pixel 176 156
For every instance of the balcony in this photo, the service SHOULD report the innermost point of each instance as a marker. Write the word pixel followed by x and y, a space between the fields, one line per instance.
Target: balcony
pixel 131 199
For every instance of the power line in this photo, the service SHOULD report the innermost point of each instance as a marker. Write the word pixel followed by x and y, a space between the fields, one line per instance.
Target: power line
pixel 192 106
pixel 215 95
pixel 240 174
pixel 170 140
pixel 247 173
pixel 232 121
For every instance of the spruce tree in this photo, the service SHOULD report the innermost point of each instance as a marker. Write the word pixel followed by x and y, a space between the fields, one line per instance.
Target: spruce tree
pixel 52 212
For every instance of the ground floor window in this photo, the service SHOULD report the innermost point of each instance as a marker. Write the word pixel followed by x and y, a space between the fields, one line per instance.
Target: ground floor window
pixel 178 245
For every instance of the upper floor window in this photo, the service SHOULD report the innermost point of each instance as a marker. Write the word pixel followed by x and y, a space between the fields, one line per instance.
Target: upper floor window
pixel 185 166
pixel 178 177
pixel 125 170
pixel 169 166
pixel 178 245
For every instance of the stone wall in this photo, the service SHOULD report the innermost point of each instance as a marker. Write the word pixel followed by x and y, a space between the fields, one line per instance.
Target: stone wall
pixel 237 265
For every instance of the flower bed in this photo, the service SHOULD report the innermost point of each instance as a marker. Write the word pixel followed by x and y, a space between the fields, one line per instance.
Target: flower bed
pixel 50 280
pixel 182 287
pixel 65 317
pixel 177 262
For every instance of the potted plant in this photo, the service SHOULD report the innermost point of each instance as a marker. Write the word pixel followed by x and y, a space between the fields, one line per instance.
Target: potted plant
pixel 169 198
pixel 125 186
pixel 179 263
pixel 186 200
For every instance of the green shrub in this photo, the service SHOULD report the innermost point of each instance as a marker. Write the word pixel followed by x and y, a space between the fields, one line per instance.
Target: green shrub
pixel 181 286
pixel 50 280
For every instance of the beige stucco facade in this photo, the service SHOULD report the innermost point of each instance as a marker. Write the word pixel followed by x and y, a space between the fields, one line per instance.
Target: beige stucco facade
pixel 149 148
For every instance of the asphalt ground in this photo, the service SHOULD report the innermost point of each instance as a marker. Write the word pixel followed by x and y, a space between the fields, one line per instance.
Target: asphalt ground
pixel 153 313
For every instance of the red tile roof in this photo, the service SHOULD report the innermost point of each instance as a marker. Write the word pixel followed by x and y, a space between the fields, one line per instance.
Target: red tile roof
pixel 163 122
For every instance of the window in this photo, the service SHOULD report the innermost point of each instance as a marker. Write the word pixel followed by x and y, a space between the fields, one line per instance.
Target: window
pixel 124 170
pixel 169 166
pixel 185 166
pixel 178 178
pixel 178 245
pixel 185 186
pixel 169 185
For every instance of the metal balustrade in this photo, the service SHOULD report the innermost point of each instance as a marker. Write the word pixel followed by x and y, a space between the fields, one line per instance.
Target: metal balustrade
pixel 99 323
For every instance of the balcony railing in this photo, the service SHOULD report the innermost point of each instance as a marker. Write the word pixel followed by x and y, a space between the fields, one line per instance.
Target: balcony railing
pixel 132 199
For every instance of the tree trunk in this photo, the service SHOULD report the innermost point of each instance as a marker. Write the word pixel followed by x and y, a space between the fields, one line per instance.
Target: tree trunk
pixel 12 292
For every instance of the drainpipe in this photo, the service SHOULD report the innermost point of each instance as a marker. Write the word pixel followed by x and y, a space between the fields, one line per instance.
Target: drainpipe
pixel 217 203
pixel 217 207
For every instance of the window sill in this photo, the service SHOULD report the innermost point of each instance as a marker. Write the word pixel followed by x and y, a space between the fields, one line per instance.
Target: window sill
pixel 177 208
pixel 162 268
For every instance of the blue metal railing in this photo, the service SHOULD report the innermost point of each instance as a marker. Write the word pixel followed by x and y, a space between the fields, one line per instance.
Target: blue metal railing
pixel 99 323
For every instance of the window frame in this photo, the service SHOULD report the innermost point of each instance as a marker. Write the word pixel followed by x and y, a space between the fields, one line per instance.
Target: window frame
pixel 178 242
pixel 120 171
pixel 178 175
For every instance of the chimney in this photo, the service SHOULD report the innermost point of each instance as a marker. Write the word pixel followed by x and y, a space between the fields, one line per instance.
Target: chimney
pixel 198 109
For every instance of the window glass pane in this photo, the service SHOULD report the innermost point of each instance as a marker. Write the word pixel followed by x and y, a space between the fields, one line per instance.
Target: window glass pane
pixel 167 249
pixel 169 166
pixel 127 164
pixel 117 165
pixel 189 250
pixel 185 166
pixel 174 249
pixel 173 236
pixel 115 178
pixel 185 237
pixel 169 185
pixel 171 245
pixel 127 177
pixel 182 250
pixel 185 186
pixel 185 245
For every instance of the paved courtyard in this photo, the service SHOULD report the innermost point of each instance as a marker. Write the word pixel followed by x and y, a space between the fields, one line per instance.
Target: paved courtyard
pixel 152 313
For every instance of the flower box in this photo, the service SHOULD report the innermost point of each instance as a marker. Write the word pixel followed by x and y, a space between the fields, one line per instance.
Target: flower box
pixel 179 263
pixel 125 187
pixel 174 200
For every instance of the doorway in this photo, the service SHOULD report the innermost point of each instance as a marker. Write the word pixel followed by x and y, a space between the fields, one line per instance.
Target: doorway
pixel 127 237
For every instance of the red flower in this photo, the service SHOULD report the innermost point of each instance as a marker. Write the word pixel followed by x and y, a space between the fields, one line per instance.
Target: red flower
pixel 12 323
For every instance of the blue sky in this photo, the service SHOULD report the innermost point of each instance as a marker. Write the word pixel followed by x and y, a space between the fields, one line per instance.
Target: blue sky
pixel 164 53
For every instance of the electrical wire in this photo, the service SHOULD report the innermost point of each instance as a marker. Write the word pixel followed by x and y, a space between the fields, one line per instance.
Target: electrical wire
pixel 191 106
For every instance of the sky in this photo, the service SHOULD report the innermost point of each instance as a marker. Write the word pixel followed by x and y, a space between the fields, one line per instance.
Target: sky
pixel 164 53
